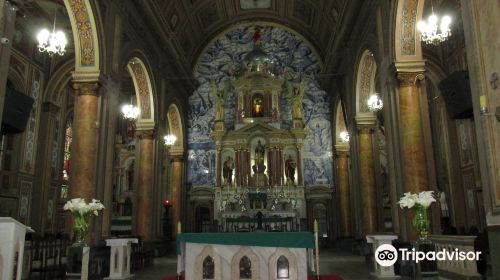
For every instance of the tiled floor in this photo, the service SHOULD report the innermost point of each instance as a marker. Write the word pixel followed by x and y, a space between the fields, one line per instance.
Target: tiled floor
pixel 348 266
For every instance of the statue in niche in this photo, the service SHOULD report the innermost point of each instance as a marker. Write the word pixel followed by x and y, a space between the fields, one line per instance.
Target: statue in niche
pixel 297 95
pixel 227 171
pixel 259 178
pixel 290 166
pixel 220 96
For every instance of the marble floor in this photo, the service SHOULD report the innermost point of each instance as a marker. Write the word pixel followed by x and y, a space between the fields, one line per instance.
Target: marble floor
pixel 348 266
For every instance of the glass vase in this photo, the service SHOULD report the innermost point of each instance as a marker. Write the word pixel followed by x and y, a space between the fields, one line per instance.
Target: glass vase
pixel 421 222
pixel 80 229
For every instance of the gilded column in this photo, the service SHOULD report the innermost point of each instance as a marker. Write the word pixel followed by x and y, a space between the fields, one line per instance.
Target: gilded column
pixel 342 152
pixel 145 185
pixel 366 125
pixel 84 150
pixel 412 139
pixel 176 185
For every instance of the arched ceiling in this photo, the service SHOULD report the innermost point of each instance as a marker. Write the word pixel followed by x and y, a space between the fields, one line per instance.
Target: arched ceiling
pixel 185 27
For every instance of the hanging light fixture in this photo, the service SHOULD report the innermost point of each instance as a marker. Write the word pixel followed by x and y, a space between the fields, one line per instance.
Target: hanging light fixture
pixel 344 137
pixel 429 30
pixel 169 139
pixel 375 103
pixel 129 111
pixel 52 43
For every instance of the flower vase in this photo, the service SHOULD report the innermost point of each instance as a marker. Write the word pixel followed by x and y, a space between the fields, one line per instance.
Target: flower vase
pixel 421 222
pixel 81 226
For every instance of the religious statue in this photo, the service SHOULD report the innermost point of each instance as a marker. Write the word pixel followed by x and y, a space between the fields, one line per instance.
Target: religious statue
pixel 297 95
pixel 220 96
pixel 227 170
pixel 259 153
pixel 290 166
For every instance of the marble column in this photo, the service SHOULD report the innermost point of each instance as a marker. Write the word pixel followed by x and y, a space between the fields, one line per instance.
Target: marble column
pixel 145 184
pixel 415 176
pixel 176 187
pixel 84 150
pixel 366 127
pixel 412 138
pixel 342 152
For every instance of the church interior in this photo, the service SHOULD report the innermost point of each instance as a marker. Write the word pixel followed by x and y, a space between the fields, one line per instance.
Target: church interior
pixel 313 127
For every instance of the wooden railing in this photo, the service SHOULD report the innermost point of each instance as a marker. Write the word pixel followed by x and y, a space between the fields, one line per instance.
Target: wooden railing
pixel 465 268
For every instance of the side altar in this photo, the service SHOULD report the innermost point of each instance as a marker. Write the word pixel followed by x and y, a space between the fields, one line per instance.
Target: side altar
pixel 259 166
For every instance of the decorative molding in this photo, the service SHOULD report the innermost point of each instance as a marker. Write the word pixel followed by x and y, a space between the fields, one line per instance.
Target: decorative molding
pixel 408 23
pixel 143 88
pixel 145 133
pixel 254 260
pixel 84 33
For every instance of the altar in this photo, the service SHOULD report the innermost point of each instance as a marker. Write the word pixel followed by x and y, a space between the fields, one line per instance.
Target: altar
pixel 259 167
pixel 258 255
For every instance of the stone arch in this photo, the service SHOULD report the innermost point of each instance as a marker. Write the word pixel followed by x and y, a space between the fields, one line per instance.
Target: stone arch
pixel 407 46
pixel 176 125
pixel 254 259
pixel 292 262
pixel 85 36
pixel 58 83
pixel 143 91
pixel 198 264
pixel 365 80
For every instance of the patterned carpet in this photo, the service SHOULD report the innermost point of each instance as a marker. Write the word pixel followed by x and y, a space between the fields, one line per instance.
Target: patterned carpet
pixel 311 277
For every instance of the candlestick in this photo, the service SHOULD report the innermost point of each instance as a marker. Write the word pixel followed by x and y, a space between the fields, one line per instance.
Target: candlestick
pixel 179 227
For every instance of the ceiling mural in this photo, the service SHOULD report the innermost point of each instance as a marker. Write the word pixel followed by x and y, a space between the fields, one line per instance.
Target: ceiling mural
pixel 297 61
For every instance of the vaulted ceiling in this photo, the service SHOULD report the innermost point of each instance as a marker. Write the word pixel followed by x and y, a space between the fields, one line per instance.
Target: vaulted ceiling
pixel 185 27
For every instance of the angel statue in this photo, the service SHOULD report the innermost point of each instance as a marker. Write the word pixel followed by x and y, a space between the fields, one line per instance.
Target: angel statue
pixel 297 95
pixel 219 96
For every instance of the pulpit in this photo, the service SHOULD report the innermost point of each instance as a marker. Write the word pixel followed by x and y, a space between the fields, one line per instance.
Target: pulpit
pixel 253 255
pixel 12 235
pixel 119 264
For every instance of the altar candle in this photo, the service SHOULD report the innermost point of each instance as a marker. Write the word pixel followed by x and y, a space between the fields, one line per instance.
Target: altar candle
pixel 483 101
pixel 179 227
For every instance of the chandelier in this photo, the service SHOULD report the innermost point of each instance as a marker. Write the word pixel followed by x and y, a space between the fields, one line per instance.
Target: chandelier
pixel 344 137
pixel 52 43
pixel 429 30
pixel 130 112
pixel 375 103
pixel 169 139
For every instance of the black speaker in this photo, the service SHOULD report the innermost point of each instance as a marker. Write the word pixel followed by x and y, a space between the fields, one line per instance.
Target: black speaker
pixel 455 90
pixel 16 111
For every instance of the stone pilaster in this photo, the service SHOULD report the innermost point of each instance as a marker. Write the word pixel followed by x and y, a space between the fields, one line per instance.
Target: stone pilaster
pixel 366 127
pixel 300 178
pixel 7 28
pixel 342 156
pixel 145 184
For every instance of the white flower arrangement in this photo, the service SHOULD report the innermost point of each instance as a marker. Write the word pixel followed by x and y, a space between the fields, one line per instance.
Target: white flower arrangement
pixel 79 206
pixel 424 199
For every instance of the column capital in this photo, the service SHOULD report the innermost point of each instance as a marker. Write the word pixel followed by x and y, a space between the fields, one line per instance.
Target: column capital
pixel 145 133
pixel 410 78
pixel 50 108
pixel 366 122
pixel 342 149
pixel 86 88
pixel 176 158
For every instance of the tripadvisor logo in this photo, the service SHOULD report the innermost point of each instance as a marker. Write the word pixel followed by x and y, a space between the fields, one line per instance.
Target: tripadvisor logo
pixel 387 255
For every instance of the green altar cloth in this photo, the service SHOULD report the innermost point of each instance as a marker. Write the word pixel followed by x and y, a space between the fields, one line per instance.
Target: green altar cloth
pixel 261 239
